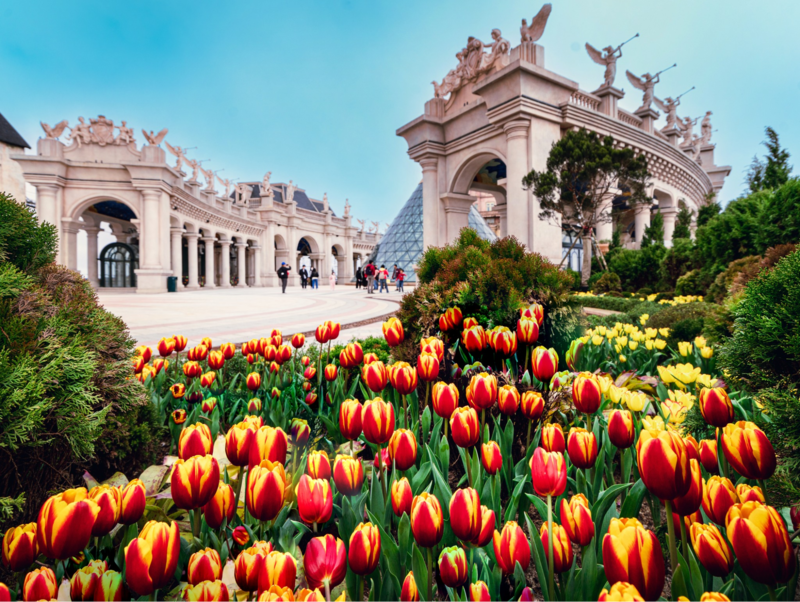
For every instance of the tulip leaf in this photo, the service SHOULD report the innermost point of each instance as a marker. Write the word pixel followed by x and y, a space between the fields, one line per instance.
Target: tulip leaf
pixel 679 587
pixel 589 571
pixel 574 580
pixel 420 570
pixel 389 548
pixel 599 469
pixel 538 557
pixel 604 522
pixel 694 574
pixel 421 478
pixel 607 498
pixel 519 579
pixel 633 501
pixel 403 539
pixel 541 507
pixel 444 456
pixel 442 491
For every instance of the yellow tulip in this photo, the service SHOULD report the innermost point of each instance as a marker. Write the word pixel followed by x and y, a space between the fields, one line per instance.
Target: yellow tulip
pixel 684 348
pixel 643 319
pixel 633 345
pixel 684 374
pixel 653 423
pixel 665 375
pixel 707 352
pixel 660 344
pixel 597 340
pixel 664 332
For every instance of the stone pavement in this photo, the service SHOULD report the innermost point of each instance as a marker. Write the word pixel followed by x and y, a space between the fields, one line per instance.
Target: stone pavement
pixel 237 315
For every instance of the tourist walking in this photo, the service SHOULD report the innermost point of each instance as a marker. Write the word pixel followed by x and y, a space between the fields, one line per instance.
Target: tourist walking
pixel 401 275
pixel 359 276
pixel 394 271
pixel 283 274
pixel 303 277
pixel 332 280
pixel 383 274
pixel 314 278
pixel 369 272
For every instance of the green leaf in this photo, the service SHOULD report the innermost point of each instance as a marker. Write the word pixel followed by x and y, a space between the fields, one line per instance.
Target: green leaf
pixel 538 557
pixel 420 570
pixel 679 587
pixel 389 548
pixel 421 478
pixel 519 579
pixel 541 507
pixel 589 571
pixel 633 501
pixel 403 538
pixel 607 498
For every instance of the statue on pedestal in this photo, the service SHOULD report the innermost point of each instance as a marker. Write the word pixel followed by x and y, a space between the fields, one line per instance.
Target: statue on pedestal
pixel 346 208
pixel 195 169
pixel 266 189
pixel 227 184
pixel 535 31
pixel 687 127
pixel 244 192
pixel 55 131
pixel 209 176
pixel 361 221
pixel 325 208
pixel 155 139
pixel 705 129
pixel 81 133
pixel 647 84
pixel 608 58
pixel 670 107
pixel 290 192
pixel 178 152
pixel 125 135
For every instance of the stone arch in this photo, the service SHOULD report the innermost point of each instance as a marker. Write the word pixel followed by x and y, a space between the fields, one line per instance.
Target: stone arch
pixel 84 204
pixel 313 243
pixel 467 170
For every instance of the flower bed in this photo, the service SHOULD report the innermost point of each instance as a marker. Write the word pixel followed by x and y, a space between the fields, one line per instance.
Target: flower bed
pixel 480 472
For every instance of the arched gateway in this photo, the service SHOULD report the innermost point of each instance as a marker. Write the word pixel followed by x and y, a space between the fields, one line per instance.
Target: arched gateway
pixel 167 222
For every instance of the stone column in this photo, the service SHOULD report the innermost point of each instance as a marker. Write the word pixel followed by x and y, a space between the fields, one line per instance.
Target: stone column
pixel 642 221
pixel 456 209
pixel 92 254
pixel 176 244
pixel 668 213
pixel 269 252
pixel 430 202
pixel 518 210
pixel 69 238
pixel 693 225
pixel 242 264
pixel 209 243
pixel 149 240
pixel 604 229
pixel 46 203
pixel 225 255
pixel 349 266
pixel 258 279
pixel 191 243
pixel 327 253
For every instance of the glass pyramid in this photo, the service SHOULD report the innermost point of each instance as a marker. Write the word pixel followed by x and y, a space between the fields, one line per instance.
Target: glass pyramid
pixel 402 243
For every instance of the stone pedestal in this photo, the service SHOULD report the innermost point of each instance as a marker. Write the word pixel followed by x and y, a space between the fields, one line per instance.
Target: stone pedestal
pixel 609 95
pixel 648 117
pixel 153 154
pixel 435 108
pixel 151 280
pixel 674 135
pixel 529 52
pixel 191 243
pixel 193 188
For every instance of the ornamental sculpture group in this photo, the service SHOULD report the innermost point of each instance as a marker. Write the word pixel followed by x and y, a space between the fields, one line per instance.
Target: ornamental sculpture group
pixel 475 62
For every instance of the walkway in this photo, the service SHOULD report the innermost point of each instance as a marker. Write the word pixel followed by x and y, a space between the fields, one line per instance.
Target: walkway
pixel 238 315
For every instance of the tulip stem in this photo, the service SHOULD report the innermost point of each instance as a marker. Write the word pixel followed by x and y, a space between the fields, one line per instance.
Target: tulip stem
pixel 469 469
pixel 327 590
pixel 196 523
pixel 528 438
pixel 242 479
pixel 360 587
pixel 405 412
pixel 771 591
pixel 430 575
pixel 684 540
pixel 483 421
pixel 673 552
pixel 314 526
pixel 763 486
pixel 550 559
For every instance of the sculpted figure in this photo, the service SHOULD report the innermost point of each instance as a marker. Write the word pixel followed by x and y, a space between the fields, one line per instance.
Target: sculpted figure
pixel 647 84
pixel 154 139
pixel 81 133
pixel 361 221
pixel 533 32
pixel 670 107
pixel 499 48
pixel 102 130
pixel 125 135
pixel 266 189
pixel 290 192
pixel 376 226
pixel 687 126
pixel 55 131
pixel 195 169
pixel 209 177
pixel 227 184
pixel 453 80
pixel 178 152
pixel 325 202
pixel 607 57
pixel 244 192
pixel 346 208
pixel 705 129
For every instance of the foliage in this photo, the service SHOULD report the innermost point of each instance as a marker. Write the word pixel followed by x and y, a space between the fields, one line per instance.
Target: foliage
pixel 765 347
pixel 780 221
pixel 67 401
pixel 783 429
pixel 774 170
pixel 724 280
pixel 608 282
pixel 694 282
pixel 654 233
pixel 677 261
pixel 636 269
pixel 685 321
pixel 606 302
pixel 683 221
pixel 23 242
pixel 707 212
pixel 490 282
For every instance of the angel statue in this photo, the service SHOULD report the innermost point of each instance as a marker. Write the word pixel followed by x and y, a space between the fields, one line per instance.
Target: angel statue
pixel 687 127
pixel 266 189
pixel 346 207
pixel 209 176
pixel 244 191
pixel 705 129
pixel 290 192
pixel 55 131
pixel 361 221
pixel 195 169
pixel 178 152
pixel 377 226
pixel 155 139
pixel 608 57
pixel 227 184
pixel 325 202
pixel 533 32
pixel 670 106
pixel 646 84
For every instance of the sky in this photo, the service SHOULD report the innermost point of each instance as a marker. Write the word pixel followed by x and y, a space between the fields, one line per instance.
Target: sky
pixel 314 91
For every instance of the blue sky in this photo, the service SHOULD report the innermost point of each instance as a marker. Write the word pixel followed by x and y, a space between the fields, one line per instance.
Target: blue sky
pixel 314 91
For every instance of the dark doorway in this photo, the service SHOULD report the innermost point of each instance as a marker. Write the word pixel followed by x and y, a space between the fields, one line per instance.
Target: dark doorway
pixel 117 264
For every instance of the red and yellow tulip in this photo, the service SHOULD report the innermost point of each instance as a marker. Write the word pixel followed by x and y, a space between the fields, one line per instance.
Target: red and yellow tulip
pixel 427 521
pixel 402 497
pixel 365 549
pixel 40 584
pixel 445 399
pixel 465 426
pixel 465 514
pixel 544 363
pixel 761 542
pixel 325 561
pixel 375 376
pixel 65 523
pixel 152 557
pixel 562 547
pixel 663 463
pixel 482 391
pixel 491 458
pixel 348 475
pixel 318 465
pixel 377 420
pixel 20 547
pixel 194 481
pixel 453 567
pixel 576 517
pixel 586 393
pixel 549 472
pixel 632 554
pixel 552 439
pixel 204 565
pixel 314 500
pixel 350 413
pixel 748 450
pixel 279 570
pixel 582 447
pixel 195 440
pixel 712 550
pixel 510 547
pixel 268 444
pixel 393 331
pixel 221 507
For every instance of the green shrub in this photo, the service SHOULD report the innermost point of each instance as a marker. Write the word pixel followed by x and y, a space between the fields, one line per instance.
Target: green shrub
pixel 488 281
pixel 67 399
pixel 636 269
pixel 685 320
pixel 608 282
pixel 780 223
pixel 722 283
pixel 575 279
pixel 677 261
pixel 24 244
pixel 695 282
pixel 632 316
pixel 608 302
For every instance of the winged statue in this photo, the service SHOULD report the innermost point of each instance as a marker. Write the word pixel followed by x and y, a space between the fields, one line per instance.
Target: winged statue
pixel 646 84
pixel 608 58
pixel 534 31
pixel 178 152
pixel 155 139
pixel 363 223
pixel 670 107
pixel 56 130
pixel 209 176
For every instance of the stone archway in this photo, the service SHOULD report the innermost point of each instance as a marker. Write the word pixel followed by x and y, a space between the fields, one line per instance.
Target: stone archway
pixel 118 262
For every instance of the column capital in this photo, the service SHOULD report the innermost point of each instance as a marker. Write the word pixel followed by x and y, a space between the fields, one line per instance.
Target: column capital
pixel 91 229
pixel 429 163
pixel 240 244
pixel 225 242
pixel 192 235
pixel 209 238
pixel 176 230
pixel 517 128
pixel 71 226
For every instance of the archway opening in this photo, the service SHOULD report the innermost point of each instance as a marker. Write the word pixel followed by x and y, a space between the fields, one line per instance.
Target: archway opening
pixel 100 224
pixel 117 264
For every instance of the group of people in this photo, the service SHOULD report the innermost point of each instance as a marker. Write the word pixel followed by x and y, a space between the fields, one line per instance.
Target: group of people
pixel 373 278
pixel 306 277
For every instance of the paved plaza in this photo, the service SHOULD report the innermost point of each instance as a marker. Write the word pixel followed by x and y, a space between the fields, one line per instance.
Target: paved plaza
pixel 237 315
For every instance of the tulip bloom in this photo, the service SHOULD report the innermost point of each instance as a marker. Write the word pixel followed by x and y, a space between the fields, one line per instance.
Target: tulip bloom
pixel 402 497
pixel 198 353
pixel 375 376
pixel 527 331
pixel 715 406
pixel 712 550
pixel 350 419
pixel 40 584
pixel 268 444
pixel 279 570
pixel 237 442
pixel 180 342
pixel 427 521
pixel 133 499
pixel 621 431
pixel 299 431
pixel 450 319
pixel 427 367
pixel 216 360
pixel 194 481
pixel 690 502
pixel 393 332
pixel 403 449
pixel 511 546
pixel 562 547
pixel 433 346
pixel 586 393
pixel 719 495
pixel 507 399
pixel 544 363
pixel 445 399
pixel 314 500
pixel 144 352
pixel 582 447
pixel 266 488
pixel 403 377
pixel 761 543
pixel 663 463
pixel 479 592
pixel 241 536
pixel 365 549
pixel 110 587
pixel 309 595
pixel 453 566
pixel 254 381
pixel 747 493
pixel 220 507
pixel 83 583
pixel 249 564
pixel 109 499
pixel 504 342
pixel 621 591
pixel 535 311
pixel 330 372
pixel 195 440
pixel 207 591
pixel 549 472
pixel 482 391
pixel 748 450
pixel 318 465
pixel 20 547
pixel 576 517
pixel 491 458
pixel 708 455
pixel 325 562
pixel 532 405
pixel 310 372
pixel 465 514
pixel 151 558
pixel 552 439
pixel 192 369
pixel 487 528
pixel 65 523
pixel 204 565
pixel 465 426
pixel 377 420
pixel 632 554
pixel 474 339
pixel 348 475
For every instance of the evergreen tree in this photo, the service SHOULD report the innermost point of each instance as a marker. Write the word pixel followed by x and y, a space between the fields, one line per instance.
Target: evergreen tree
pixel 683 221
pixel 706 212
pixel 774 171
pixel 654 233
